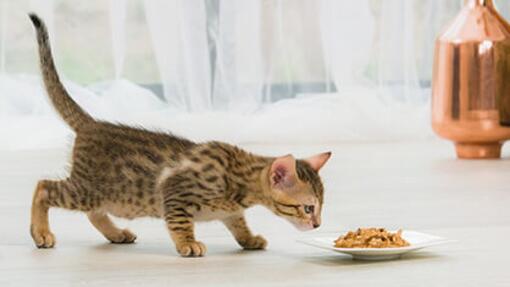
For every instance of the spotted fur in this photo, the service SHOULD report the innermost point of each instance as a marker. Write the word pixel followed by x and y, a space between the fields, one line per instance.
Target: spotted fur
pixel 131 172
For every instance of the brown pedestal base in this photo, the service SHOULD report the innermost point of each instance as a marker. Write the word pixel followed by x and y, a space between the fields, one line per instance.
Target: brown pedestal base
pixel 478 150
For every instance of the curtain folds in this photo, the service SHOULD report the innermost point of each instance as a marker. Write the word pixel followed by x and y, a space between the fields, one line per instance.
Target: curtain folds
pixel 226 54
pixel 179 34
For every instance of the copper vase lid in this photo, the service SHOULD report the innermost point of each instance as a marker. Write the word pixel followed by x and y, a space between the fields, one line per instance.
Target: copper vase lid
pixel 471 81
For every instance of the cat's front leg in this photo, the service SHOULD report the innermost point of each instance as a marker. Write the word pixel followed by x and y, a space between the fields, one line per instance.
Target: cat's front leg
pixel 179 204
pixel 181 231
pixel 238 227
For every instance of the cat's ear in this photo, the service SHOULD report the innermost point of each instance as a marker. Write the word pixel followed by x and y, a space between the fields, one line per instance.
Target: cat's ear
pixel 283 172
pixel 319 160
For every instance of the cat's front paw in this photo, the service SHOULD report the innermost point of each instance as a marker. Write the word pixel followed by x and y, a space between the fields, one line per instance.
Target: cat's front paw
pixel 123 236
pixel 191 249
pixel 254 243
pixel 43 238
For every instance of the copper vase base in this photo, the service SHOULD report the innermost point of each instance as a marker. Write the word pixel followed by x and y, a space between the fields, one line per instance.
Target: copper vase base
pixel 478 150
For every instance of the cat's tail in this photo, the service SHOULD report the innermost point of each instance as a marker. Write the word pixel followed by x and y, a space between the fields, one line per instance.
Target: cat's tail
pixel 68 109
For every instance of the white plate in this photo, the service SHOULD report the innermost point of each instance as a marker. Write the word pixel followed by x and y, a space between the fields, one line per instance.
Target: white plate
pixel 417 240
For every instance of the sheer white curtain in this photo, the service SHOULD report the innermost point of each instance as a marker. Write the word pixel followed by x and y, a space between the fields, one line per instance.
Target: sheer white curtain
pixel 231 69
pixel 179 35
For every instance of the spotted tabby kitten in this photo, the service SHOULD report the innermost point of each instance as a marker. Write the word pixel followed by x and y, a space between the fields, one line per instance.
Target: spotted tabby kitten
pixel 128 172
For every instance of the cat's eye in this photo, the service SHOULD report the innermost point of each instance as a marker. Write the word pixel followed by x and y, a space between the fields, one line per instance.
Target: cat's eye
pixel 309 209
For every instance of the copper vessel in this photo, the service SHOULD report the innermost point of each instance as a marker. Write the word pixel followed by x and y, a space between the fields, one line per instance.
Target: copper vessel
pixel 471 81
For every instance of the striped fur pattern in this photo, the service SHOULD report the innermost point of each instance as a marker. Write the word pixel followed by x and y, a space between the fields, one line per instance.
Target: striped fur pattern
pixel 131 172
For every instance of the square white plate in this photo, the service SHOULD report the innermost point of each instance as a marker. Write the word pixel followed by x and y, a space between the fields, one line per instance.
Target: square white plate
pixel 417 240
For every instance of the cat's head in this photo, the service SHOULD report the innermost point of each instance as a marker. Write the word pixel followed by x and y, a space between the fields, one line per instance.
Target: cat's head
pixel 296 189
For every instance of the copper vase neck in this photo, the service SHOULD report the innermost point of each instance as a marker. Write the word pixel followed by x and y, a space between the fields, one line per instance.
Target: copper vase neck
pixel 479 21
pixel 473 3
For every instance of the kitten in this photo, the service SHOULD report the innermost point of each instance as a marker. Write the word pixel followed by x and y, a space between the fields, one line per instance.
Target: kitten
pixel 129 172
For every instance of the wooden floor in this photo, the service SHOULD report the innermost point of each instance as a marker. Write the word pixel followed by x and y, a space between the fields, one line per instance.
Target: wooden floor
pixel 417 186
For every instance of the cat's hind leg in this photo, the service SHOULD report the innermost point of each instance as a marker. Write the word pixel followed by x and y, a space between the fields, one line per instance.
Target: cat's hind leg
pixel 51 193
pixel 236 224
pixel 104 224
pixel 39 226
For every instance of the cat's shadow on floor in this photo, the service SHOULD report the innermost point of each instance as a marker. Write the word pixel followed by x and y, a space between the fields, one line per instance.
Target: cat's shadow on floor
pixel 159 249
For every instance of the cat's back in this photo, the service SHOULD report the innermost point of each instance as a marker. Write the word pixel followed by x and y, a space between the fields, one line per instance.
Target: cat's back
pixel 107 152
